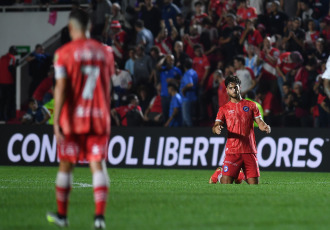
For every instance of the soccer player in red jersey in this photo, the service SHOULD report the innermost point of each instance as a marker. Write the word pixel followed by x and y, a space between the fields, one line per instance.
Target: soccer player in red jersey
pixel 238 115
pixel 83 69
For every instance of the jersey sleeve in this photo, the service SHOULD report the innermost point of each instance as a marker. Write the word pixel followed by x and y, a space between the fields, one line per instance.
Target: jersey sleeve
pixel 221 115
pixel 59 66
pixel 256 112
pixel 176 103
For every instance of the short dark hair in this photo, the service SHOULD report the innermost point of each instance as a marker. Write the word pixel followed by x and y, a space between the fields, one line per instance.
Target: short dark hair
pixel 81 16
pixel 197 46
pixel 12 50
pixel 198 3
pixel 173 85
pixel 240 58
pixel 232 79
pixel 188 63
pixel 131 97
pixel 139 23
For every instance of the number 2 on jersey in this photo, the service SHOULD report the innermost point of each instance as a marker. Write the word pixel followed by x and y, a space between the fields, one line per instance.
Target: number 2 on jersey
pixel 92 73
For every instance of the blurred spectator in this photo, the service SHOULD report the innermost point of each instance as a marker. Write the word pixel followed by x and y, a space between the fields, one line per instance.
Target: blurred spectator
pixel 36 114
pixel 276 19
pixel 229 39
pixel 182 26
pixel 188 92
pixel 142 67
pixel 129 64
pixel 289 118
pixel 44 91
pixel 179 55
pixel 293 40
pixel 144 36
pixel 250 36
pixel 144 97
pixel 258 5
pixel 302 105
pixel 150 15
pixel 169 11
pixel 252 60
pixel 7 85
pixel 168 74
pixel 50 107
pixel 307 75
pixel 245 12
pixel 121 85
pixel 222 90
pixel 119 42
pixel 175 111
pixel 154 113
pixel 311 34
pixel 290 8
pixel 245 74
pixel 163 40
pixel 321 52
pixel 117 15
pixel 198 16
pixel 128 115
pixel 39 63
pixel 100 15
pixel 191 39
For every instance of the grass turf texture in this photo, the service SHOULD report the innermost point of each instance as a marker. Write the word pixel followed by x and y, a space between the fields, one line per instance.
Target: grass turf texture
pixel 168 199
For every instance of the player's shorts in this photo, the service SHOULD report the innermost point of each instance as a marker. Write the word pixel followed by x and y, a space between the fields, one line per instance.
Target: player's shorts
pixel 83 148
pixel 234 162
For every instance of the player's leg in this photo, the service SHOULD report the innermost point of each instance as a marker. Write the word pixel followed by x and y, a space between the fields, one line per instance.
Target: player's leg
pixel 251 168
pixel 63 187
pixel 216 176
pixel 231 168
pixel 100 186
pixel 96 152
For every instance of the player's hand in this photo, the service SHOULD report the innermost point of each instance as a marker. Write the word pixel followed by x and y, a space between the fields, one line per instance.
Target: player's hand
pixel 267 129
pixel 58 133
pixel 217 129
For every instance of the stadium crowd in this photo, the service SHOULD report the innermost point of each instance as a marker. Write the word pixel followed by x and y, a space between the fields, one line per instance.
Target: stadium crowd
pixel 172 57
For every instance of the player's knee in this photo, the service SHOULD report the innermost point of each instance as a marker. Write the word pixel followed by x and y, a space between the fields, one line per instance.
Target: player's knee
pixel 253 180
pixel 226 180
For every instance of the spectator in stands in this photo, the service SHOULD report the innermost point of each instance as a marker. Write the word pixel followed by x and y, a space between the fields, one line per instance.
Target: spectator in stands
pixel 44 91
pixel 144 97
pixel 168 74
pixel 182 26
pixel 154 113
pixel 175 111
pixel 302 105
pixel 179 55
pixel 271 105
pixel 144 36
pixel 128 115
pixel 276 20
pixel 121 85
pixel 229 39
pixel 191 39
pixel 36 114
pixel 293 39
pixel 7 85
pixel 117 15
pixel 287 66
pixel 290 8
pixel 307 74
pixel 129 64
pixel 245 12
pixel 202 66
pixel 223 98
pixel 169 11
pixel 245 74
pixel 321 52
pixel 118 42
pixel 289 118
pixel 142 66
pixel 311 34
pixel 252 60
pixel 100 16
pixel 39 64
pixel 150 15
pixel 250 36
pixel 198 16
pixel 163 40
pixel 188 92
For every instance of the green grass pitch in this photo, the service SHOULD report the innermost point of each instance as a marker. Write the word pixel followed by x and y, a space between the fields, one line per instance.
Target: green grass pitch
pixel 168 199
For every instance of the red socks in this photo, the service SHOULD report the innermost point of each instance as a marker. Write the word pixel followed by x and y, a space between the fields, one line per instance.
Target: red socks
pixel 100 185
pixel 63 187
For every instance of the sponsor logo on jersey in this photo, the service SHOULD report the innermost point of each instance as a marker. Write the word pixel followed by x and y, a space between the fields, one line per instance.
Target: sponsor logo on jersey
pixel 246 109
pixel 231 111
pixel 225 168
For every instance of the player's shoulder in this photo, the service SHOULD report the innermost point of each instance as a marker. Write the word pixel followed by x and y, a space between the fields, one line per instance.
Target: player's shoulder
pixel 249 103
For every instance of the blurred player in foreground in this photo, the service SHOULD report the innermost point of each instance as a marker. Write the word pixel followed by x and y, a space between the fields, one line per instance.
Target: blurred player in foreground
pixel 82 114
pixel 238 115
pixel 326 77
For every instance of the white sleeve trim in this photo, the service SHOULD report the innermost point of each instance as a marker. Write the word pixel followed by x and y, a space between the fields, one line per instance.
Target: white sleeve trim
pixel 258 117
pixel 60 72
pixel 218 120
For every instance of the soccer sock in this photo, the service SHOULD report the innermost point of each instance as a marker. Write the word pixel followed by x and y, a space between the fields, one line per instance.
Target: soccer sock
pixel 100 185
pixel 63 187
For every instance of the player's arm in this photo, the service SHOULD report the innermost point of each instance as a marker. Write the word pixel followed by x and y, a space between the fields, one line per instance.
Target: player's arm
pixel 326 84
pixel 115 116
pixel 262 125
pixel 217 127
pixel 59 99
pixel 174 114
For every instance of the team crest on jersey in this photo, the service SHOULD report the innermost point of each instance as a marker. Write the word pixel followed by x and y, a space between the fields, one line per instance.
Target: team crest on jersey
pixel 225 168
pixel 246 109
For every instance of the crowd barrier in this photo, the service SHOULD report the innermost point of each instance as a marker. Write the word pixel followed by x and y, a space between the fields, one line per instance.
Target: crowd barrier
pixel 285 149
